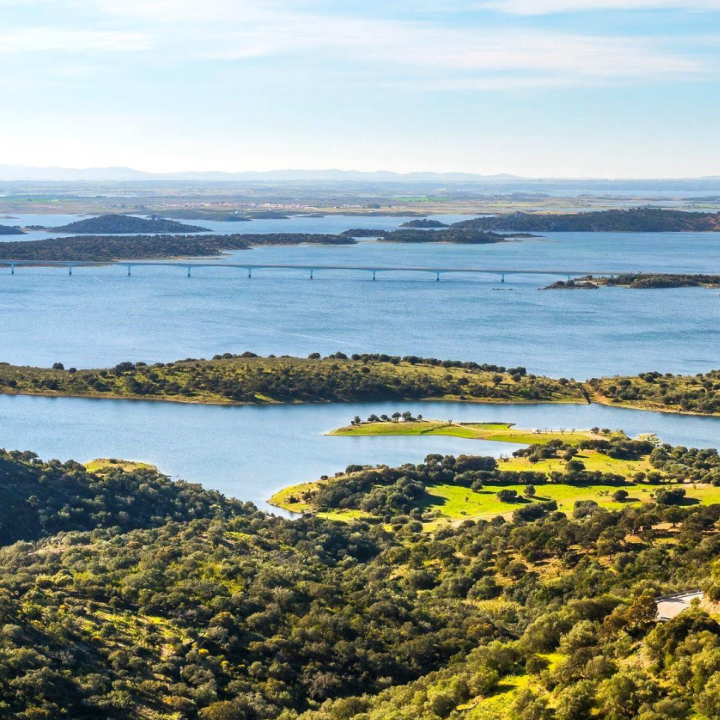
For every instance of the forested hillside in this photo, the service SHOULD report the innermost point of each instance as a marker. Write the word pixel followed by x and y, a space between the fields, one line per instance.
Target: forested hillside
pixel 237 615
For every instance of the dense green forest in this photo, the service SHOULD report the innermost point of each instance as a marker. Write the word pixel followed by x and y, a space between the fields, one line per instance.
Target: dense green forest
pixel 634 220
pixel 653 390
pixel 211 610
pixel 250 379
pixel 106 248
pixel 122 224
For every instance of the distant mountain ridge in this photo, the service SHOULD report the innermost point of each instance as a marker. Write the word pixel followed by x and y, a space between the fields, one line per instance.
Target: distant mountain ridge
pixel 23 173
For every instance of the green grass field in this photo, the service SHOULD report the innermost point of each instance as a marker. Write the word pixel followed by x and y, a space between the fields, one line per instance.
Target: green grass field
pixel 500 432
pixel 104 464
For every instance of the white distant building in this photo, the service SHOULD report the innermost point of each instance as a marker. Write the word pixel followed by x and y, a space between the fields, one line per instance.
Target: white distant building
pixel 670 606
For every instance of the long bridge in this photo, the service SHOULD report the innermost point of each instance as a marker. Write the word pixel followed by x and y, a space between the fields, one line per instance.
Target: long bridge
pixel 373 270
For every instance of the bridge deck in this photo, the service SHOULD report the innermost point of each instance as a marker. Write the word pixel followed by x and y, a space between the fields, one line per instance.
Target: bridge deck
pixel 185 264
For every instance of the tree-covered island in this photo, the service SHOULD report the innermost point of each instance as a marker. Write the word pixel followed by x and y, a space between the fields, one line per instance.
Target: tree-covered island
pixel 126 224
pixel 639 281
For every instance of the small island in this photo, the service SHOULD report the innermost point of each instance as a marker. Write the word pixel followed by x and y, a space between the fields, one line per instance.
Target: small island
pixel 572 285
pixel 127 225
pixel 638 281
pixel 424 223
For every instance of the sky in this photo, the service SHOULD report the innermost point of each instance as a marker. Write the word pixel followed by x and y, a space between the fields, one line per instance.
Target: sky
pixel 538 88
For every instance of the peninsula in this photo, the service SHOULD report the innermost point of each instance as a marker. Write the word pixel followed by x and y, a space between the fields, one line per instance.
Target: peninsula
pixel 554 471
pixel 248 379
pixel 10 230
pixel 106 248
pixel 633 220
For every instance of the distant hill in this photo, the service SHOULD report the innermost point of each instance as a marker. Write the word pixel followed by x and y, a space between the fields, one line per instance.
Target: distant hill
pixel 635 220
pixel 10 230
pixel 127 225
pixel 423 223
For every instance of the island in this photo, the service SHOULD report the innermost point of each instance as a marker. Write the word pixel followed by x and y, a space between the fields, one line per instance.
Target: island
pixel 638 281
pixel 106 248
pixel 126 224
pixel 424 223
pixel 10 230
pixel 633 220
pixel 572 285
pixel 127 595
pixel 239 379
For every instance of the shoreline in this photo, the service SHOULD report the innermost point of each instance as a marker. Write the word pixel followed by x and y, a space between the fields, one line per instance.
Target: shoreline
pixel 270 403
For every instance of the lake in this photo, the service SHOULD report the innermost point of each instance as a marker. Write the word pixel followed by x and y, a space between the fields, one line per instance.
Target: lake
pixel 250 452
pixel 99 317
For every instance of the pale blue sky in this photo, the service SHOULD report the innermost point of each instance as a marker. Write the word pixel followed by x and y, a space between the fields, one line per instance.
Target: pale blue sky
pixel 605 88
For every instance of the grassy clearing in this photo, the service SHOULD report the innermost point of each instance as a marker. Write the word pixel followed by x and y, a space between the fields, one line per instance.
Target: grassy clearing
pixel 500 432
pixel 453 502
pixel 100 465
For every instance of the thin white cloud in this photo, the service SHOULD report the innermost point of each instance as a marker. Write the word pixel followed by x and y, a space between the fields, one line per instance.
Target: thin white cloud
pixel 545 7
pixel 77 42
pixel 465 57
pixel 457 50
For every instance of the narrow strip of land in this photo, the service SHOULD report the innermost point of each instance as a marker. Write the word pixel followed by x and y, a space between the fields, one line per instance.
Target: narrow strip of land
pixel 248 379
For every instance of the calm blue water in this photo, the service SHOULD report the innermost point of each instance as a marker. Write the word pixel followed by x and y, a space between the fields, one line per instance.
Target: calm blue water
pixel 100 317
pixel 250 452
